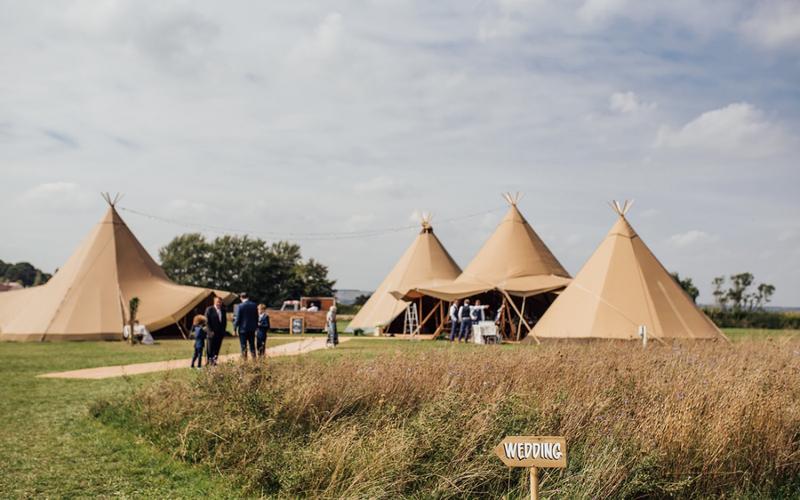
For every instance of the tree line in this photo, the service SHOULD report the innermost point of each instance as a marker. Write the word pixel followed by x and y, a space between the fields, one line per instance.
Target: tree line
pixel 268 272
pixel 740 303
pixel 23 273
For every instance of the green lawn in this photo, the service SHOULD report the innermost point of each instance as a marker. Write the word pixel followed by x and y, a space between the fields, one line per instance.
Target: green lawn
pixel 51 447
pixel 736 334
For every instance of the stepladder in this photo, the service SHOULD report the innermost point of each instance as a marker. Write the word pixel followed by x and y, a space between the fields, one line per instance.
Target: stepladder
pixel 411 323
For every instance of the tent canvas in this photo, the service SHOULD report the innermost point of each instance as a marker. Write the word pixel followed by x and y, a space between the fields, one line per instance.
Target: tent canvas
pixel 426 262
pixel 88 297
pixel 623 286
pixel 513 260
pixel 513 263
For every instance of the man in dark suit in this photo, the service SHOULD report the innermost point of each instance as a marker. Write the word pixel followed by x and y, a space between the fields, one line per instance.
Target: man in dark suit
pixel 217 318
pixel 245 325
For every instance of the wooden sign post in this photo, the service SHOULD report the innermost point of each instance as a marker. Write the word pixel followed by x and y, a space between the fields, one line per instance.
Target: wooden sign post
pixel 533 452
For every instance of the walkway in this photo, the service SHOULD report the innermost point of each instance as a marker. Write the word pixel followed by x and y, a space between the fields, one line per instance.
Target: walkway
pixel 290 349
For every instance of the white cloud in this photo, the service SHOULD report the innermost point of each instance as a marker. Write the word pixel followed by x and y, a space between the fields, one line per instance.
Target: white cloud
pixel 359 222
pixel 650 212
pixel 56 195
pixel 382 185
pixel 628 102
pixel 599 11
pixel 739 129
pixel 691 238
pixel 788 235
pixel 324 42
pixel 774 24
pixel 182 207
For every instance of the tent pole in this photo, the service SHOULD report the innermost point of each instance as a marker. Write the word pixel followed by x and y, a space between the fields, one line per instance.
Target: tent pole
pixel 520 315
pixel 507 319
pixel 419 326
pixel 439 328
pixel 426 319
pixel 519 325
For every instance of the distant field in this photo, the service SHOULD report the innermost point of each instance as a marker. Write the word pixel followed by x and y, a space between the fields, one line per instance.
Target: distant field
pixel 51 446
pixel 737 334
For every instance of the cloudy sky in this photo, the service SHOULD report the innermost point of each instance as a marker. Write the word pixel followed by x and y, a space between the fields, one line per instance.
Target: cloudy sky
pixel 287 118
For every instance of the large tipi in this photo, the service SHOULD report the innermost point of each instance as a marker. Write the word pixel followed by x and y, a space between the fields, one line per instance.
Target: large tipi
pixel 425 262
pixel 88 297
pixel 620 288
pixel 513 262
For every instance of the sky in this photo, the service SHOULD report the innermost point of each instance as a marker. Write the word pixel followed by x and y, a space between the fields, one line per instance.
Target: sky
pixel 318 120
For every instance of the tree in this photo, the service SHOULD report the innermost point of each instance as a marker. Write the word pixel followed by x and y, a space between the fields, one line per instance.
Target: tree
pixel 22 272
pixel 313 278
pixel 269 273
pixel 763 295
pixel 186 259
pixel 687 285
pixel 362 299
pixel 739 296
pixel 737 293
pixel 720 296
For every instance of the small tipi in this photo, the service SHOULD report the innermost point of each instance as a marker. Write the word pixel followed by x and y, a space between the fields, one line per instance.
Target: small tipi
pixel 88 297
pixel 620 288
pixel 425 262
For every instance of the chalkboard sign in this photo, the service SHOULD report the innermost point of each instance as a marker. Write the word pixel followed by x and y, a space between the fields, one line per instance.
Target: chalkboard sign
pixel 297 325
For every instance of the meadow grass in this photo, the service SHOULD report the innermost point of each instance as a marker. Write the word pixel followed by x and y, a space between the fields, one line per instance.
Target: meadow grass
pixel 382 418
pixel 50 446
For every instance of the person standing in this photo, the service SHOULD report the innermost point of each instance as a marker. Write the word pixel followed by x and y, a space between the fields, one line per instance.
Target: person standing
pixel 246 324
pixel 464 313
pixel 330 325
pixel 453 313
pixel 199 334
pixel 217 318
pixel 261 332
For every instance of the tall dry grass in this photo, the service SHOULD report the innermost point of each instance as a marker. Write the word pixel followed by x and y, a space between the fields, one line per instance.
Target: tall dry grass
pixel 674 421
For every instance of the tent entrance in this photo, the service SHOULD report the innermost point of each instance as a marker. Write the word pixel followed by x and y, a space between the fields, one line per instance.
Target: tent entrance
pixel 432 313
pixel 180 329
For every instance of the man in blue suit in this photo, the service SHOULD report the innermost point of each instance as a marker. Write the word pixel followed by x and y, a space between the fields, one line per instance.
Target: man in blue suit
pixel 245 325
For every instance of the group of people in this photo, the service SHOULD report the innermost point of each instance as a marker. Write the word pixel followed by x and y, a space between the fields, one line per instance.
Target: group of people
pixel 251 324
pixel 463 316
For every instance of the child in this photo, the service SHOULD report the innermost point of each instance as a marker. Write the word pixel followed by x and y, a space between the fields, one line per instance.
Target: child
pixel 199 334
pixel 261 332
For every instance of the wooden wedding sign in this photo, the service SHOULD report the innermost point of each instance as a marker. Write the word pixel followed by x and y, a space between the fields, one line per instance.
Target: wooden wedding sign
pixel 533 452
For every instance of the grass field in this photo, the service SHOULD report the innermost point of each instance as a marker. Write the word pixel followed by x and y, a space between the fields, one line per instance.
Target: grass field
pixel 50 445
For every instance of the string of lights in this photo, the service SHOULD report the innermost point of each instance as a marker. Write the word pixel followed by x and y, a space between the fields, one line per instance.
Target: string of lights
pixel 297 236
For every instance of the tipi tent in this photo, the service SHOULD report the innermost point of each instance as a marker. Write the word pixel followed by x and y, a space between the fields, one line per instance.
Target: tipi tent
pixel 425 262
pixel 621 287
pixel 88 297
pixel 514 261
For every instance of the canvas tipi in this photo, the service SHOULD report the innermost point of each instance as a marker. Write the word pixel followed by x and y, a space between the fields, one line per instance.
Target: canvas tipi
pixel 88 297
pixel 620 288
pixel 513 262
pixel 425 262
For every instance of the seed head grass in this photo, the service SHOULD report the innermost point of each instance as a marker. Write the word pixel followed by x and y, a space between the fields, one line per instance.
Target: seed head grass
pixel 683 420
